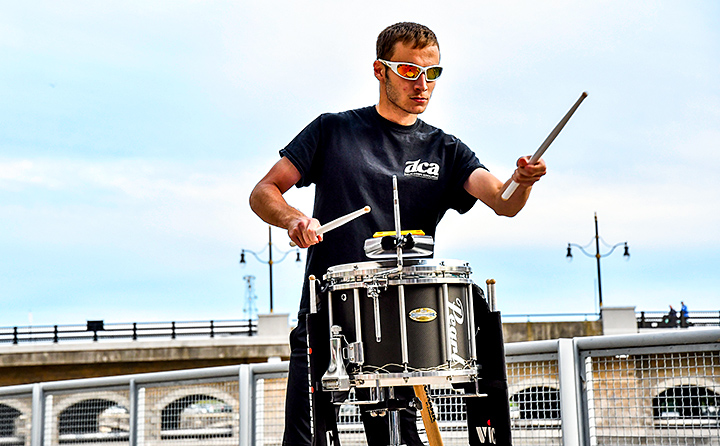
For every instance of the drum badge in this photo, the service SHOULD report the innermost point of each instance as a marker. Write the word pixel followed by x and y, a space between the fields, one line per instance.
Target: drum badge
pixel 423 315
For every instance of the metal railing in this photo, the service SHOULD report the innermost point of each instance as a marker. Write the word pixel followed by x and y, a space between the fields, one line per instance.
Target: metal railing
pixel 661 319
pixel 654 388
pixel 550 317
pixel 98 331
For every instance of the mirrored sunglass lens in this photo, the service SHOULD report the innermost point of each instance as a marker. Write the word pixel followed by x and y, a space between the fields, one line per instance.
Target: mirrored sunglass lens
pixel 408 71
pixel 433 73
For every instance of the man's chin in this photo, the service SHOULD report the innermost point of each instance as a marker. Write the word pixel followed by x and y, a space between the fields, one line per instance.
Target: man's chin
pixel 416 109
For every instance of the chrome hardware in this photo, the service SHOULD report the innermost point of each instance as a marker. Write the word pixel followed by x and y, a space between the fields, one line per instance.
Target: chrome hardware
pixel 374 292
pixel 355 353
pixel 336 377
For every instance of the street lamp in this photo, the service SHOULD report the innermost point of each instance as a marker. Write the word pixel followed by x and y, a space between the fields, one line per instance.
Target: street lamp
pixel 270 261
pixel 597 254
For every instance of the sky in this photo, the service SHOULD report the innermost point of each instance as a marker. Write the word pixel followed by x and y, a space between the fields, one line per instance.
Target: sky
pixel 132 132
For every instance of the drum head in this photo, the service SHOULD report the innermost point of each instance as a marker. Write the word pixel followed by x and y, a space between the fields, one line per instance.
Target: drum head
pixel 411 267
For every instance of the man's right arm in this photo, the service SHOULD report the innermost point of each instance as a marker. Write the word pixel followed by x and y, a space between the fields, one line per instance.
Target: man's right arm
pixel 267 201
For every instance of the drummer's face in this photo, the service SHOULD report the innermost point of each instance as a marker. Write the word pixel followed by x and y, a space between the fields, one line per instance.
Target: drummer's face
pixel 403 98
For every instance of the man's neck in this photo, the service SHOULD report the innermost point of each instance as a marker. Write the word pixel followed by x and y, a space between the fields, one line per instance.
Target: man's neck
pixel 394 114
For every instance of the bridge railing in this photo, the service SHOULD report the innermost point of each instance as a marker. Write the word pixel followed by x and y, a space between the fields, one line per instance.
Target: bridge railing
pixel 648 388
pixel 550 317
pixel 99 331
pixel 661 319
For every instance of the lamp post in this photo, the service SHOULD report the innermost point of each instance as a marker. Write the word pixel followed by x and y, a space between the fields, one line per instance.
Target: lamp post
pixel 597 255
pixel 270 261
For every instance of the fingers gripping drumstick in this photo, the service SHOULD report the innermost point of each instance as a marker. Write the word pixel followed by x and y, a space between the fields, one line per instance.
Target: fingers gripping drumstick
pixel 543 147
pixel 339 222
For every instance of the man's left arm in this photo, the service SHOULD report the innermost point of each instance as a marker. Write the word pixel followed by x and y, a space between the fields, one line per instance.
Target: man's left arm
pixel 484 186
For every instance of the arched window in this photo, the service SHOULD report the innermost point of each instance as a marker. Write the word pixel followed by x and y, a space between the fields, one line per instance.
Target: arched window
pixel 82 417
pixel 8 416
pixel 196 415
pixel 94 419
pixel 536 403
pixel 687 402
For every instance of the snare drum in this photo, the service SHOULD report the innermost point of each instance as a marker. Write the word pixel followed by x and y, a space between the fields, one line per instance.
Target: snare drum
pixel 414 326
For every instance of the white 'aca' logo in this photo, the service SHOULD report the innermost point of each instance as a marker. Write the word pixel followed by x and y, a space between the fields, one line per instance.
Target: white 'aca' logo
pixel 430 171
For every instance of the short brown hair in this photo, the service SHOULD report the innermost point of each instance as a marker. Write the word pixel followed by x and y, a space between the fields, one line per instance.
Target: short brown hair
pixel 409 33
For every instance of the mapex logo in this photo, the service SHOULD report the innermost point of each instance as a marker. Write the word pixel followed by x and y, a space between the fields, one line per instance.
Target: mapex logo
pixel 486 434
pixel 430 171
pixel 456 319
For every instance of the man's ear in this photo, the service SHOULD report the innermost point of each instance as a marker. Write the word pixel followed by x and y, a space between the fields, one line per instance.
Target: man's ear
pixel 379 70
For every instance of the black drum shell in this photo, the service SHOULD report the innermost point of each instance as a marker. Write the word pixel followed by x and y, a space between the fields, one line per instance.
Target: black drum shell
pixel 444 342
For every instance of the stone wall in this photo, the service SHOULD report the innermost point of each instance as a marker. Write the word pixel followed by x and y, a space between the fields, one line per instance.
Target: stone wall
pixel 539 331
pixel 24 364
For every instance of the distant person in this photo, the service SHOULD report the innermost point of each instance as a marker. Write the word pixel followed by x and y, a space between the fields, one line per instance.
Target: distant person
pixel 671 319
pixel 683 315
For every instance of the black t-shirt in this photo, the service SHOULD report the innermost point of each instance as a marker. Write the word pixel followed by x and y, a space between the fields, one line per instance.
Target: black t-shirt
pixel 351 158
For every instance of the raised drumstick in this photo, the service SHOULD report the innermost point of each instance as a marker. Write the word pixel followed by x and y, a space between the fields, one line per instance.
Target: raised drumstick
pixel 543 147
pixel 339 221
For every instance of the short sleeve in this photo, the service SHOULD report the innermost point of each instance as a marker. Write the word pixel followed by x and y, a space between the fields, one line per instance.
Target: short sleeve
pixel 303 150
pixel 464 163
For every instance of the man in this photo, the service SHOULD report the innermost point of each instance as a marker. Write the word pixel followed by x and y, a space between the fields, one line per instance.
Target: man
pixel 683 314
pixel 351 157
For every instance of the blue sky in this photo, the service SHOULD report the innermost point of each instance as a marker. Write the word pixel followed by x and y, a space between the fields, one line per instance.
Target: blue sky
pixel 131 134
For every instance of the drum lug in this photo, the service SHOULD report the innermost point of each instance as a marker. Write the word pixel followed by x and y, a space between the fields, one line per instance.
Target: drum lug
pixel 336 377
pixel 374 292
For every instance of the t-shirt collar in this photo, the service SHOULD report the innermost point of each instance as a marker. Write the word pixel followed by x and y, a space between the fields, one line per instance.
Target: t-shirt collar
pixel 394 125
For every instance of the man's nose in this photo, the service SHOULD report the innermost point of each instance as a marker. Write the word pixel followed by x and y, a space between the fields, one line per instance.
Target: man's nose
pixel 421 83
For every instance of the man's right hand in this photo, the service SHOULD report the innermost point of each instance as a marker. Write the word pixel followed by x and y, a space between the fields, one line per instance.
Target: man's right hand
pixel 302 231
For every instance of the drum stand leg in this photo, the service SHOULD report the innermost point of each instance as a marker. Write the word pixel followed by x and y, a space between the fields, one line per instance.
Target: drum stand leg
pixel 393 421
pixel 388 406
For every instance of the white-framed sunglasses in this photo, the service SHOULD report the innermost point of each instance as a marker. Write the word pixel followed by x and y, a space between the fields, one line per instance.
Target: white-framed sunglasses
pixel 410 71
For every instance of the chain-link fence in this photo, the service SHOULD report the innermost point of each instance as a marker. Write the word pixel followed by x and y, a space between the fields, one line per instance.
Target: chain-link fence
pixel 653 396
pixel 614 390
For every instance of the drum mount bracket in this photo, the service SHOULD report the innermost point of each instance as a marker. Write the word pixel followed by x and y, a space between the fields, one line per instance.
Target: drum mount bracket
pixel 336 377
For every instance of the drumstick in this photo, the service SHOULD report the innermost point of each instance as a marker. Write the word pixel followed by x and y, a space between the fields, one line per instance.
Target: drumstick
pixel 428 416
pixel 543 147
pixel 339 222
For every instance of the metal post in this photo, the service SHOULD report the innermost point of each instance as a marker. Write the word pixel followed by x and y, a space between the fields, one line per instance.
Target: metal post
pixel 569 403
pixel 38 415
pixel 393 421
pixel 246 397
pixel 133 422
pixel 270 263
pixel 597 256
